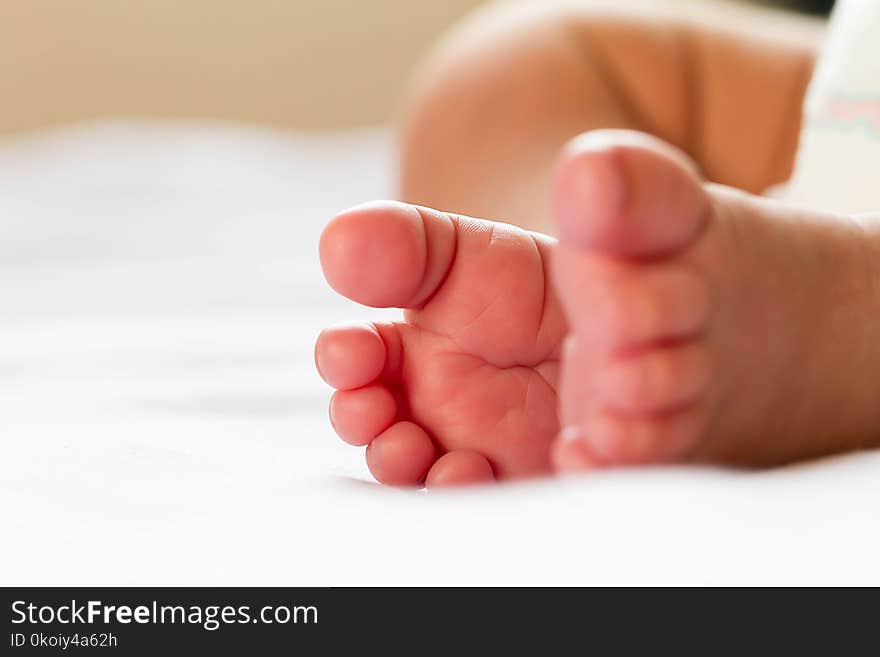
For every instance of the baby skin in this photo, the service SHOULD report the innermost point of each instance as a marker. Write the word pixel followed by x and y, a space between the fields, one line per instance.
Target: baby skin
pixel 678 317
pixel 673 320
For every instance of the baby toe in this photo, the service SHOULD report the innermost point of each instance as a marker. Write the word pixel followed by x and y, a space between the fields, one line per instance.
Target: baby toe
pixel 401 455
pixel 637 440
pixel 387 254
pixel 618 306
pixel 571 453
pixel 654 380
pixel 627 193
pixel 461 467
pixel 358 416
pixel 350 356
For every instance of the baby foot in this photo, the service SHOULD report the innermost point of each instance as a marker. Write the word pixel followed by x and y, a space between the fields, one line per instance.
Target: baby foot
pixel 707 324
pixel 463 390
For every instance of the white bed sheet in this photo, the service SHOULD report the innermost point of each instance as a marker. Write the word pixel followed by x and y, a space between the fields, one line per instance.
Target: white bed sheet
pixel 162 424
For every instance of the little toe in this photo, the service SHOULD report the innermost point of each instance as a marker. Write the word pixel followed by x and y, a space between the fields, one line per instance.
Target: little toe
pixel 401 455
pixel 461 467
pixel 358 416
pixel 626 440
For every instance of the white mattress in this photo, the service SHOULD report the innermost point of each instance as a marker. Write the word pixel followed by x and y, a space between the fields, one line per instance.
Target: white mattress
pixel 162 423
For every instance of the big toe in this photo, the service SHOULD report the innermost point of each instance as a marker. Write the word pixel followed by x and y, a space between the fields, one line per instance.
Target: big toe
pixel 627 194
pixel 386 254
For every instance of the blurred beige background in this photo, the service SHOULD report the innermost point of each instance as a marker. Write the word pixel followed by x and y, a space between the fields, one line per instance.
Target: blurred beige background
pixel 302 64
pixel 296 63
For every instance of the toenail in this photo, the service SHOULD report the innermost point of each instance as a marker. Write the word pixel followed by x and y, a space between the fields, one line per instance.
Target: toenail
pixel 604 437
pixel 569 434
pixel 573 456
pixel 589 182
